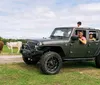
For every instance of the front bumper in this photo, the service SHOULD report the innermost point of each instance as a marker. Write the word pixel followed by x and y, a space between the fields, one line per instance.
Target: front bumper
pixel 30 52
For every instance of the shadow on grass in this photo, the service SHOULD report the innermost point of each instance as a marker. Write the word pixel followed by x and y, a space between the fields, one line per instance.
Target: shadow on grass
pixel 76 64
pixel 30 67
pixel 25 66
pixel 67 67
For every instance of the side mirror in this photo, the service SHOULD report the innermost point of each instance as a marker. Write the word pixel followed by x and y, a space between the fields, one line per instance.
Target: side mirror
pixel 74 38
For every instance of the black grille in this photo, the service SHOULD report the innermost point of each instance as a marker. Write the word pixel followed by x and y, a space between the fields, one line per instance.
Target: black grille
pixel 31 44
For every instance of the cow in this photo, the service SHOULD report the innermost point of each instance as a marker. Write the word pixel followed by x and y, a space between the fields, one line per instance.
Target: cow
pixel 1 45
pixel 12 45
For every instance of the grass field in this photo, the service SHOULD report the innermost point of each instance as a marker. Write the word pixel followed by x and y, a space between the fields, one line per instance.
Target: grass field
pixel 8 51
pixel 70 74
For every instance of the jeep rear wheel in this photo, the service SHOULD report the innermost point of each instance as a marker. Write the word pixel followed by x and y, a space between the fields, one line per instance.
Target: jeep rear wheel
pixel 29 61
pixel 50 63
pixel 97 61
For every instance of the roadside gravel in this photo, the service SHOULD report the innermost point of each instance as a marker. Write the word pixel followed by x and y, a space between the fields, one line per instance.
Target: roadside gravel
pixel 10 59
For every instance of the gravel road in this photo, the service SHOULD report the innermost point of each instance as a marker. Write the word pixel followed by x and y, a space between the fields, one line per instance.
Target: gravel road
pixel 10 59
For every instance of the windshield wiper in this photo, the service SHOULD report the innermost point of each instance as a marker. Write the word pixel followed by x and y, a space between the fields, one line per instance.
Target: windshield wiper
pixel 57 37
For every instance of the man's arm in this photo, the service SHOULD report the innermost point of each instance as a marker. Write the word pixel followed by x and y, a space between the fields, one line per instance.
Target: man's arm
pixel 84 41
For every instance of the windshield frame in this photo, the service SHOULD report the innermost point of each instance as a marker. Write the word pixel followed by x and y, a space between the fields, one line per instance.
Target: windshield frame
pixel 52 35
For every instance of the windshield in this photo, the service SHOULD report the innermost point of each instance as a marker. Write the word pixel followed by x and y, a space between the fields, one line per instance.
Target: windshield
pixel 62 32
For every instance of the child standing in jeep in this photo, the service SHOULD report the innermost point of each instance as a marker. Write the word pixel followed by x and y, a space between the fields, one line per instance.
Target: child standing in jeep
pixel 79 24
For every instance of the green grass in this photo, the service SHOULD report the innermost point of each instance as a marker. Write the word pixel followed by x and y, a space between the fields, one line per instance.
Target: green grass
pixel 70 74
pixel 8 51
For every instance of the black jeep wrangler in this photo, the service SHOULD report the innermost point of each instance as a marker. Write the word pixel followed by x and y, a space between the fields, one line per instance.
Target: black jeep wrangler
pixel 63 45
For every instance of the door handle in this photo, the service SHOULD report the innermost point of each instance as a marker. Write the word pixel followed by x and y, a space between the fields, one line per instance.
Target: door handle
pixel 96 43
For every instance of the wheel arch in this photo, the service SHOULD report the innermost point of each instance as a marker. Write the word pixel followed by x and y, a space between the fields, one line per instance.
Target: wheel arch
pixel 56 49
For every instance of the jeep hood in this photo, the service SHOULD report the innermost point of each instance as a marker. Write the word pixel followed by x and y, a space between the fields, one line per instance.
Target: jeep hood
pixel 48 41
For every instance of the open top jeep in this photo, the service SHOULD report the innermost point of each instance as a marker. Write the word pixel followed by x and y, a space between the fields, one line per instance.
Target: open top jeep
pixel 63 45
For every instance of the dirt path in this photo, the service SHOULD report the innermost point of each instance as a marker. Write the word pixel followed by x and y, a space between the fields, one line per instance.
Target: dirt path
pixel 10 59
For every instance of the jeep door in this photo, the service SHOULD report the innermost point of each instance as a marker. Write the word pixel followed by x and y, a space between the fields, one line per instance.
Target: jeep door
pixel 92 45
pixel 77 49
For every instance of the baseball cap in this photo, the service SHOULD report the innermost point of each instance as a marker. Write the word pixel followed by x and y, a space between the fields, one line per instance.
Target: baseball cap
pixel 90 32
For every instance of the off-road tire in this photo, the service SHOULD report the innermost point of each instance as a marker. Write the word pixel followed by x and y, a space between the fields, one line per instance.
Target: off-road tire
pixel 50 63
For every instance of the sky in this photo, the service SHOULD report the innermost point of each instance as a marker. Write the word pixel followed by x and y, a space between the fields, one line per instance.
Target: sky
pixel 38 18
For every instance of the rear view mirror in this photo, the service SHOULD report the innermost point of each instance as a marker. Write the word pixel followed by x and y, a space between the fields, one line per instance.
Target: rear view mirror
pixel 74 38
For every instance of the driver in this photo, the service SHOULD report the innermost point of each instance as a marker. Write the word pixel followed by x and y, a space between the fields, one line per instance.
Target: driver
pixel 82 39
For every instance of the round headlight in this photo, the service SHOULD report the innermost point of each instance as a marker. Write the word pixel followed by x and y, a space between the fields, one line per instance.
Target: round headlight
pixel 40 43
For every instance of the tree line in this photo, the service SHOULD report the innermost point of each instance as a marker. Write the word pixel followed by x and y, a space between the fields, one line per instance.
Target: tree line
pixel 12 40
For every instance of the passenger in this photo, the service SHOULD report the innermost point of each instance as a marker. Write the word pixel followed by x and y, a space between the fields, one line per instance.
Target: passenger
pixel 91 38
pixel 82 39
pixel 79 24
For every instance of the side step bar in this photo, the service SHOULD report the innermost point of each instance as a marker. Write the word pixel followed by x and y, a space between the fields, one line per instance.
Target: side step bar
pixel 78 59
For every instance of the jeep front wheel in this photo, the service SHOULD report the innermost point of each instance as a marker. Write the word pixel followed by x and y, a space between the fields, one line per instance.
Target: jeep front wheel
pixel 97 61
pixel 50 63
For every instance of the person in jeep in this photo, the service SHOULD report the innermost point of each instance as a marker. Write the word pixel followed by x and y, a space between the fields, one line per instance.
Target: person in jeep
pixel 91 38
pixel 82 39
